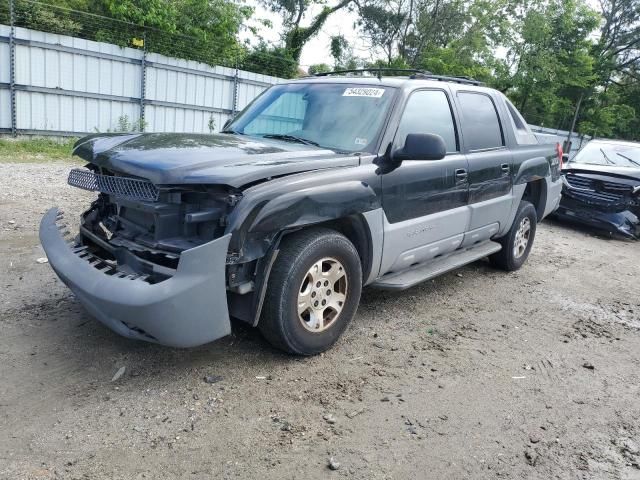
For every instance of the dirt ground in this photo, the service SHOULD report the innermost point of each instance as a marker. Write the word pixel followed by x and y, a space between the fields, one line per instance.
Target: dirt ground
pixel 478 374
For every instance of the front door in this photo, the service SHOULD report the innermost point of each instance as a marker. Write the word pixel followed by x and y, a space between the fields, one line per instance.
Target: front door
pixel 425 202
pixel 490 164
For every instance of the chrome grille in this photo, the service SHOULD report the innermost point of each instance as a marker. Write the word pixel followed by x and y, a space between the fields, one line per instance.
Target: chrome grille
pixel 597 190
pixel 597 185
pixel 130 188
pixel 578 182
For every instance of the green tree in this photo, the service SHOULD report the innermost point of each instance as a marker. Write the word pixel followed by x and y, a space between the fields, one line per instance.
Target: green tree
pixel 295 35
pixel 608 121
pixel 342 53
pixel 319 68
pixel 629 94
pixel 451 37
pixel 386 24
pixel 150 13
pixel 267 60
pixel 618 47
pixel 612 107
pixel 203 30
pixel 548 66
pixel 614 112
pixel 55 19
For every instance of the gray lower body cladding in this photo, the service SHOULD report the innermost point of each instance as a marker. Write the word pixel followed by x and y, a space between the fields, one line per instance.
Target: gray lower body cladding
pixel 185 310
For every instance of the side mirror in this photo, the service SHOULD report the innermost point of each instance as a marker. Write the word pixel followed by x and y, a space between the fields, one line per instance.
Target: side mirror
pixel 421 146
pixel 565 158
pixel 228 122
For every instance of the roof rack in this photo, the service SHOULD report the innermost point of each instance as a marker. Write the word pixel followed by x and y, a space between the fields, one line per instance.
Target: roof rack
pixel 415 74
pixel 377 70
pixel 446 78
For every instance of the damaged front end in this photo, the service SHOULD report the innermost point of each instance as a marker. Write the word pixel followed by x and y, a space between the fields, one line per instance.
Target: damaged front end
pixel 143 229
pixel 149 261
pixel 604 201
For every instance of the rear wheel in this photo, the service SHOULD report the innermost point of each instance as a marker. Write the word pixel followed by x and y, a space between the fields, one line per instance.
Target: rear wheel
pixel 313 292
pixel 517 243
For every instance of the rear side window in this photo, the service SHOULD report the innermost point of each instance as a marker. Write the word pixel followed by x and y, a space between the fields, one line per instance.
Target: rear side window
pixel 480 123
pixel 524 135
pixel 518 121
pixel 428 111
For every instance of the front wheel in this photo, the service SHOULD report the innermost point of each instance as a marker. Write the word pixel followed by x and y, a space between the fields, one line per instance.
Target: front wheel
pixel 517 243
pixel 313 291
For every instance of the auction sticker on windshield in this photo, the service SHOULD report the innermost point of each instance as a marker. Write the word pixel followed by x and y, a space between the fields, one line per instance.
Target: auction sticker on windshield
pixel 363 92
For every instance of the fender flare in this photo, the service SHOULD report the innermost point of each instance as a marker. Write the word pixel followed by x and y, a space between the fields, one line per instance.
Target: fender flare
pixel 532 169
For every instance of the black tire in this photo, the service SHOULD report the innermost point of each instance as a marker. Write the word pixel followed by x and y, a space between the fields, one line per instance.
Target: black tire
pixel 507 258
pixel 299 252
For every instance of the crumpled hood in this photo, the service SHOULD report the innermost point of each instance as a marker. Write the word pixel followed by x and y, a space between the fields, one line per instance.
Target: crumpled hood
pixel 173 159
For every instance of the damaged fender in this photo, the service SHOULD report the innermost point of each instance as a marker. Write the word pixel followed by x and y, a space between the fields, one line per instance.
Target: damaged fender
pixel 265 212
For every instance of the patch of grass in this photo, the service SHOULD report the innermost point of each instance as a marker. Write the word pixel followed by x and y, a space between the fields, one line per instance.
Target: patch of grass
pixel 35 150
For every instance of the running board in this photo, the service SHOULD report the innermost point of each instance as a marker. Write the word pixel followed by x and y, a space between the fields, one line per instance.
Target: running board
pixel 426 271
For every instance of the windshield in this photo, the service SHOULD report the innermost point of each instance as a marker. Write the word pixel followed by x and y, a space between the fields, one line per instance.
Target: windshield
pixel 620 154
pixel 338 116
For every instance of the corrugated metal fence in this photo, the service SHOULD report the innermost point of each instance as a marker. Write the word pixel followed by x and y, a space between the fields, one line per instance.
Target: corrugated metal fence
pixel 552 135
pixel 54 84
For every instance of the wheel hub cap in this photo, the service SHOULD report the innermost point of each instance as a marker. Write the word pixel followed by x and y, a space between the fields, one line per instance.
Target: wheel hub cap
pixel 322 295
pixel 522 237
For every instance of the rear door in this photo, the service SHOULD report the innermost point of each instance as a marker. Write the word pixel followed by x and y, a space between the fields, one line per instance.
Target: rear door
pixel 490 165
pixel 425 202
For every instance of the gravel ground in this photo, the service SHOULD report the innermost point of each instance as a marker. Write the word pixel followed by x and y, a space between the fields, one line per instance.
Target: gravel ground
pixel 478 374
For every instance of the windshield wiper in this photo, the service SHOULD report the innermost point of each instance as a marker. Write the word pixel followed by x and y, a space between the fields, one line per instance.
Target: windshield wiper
pixel 629 159
pixel 611 162
pixel 291 138
pixel 235 132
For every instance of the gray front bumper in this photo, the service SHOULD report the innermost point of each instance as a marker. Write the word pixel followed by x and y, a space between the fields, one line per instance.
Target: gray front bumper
pixel 185 310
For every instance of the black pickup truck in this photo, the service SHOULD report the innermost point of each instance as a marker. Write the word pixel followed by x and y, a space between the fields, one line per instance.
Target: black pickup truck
pixel 319 187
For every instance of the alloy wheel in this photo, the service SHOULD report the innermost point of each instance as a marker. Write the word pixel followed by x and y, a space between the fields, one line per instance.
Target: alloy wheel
pixel 322 295
pixel 522 237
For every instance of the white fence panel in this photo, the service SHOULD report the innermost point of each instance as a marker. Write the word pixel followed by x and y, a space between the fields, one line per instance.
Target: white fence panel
pixel 184 95
pixel 67 84
pixel 5 110
pixel 4 56
pixel 5 95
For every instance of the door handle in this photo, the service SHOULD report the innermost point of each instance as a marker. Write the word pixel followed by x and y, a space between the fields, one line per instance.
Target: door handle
pixel 461 175
pixel 506 169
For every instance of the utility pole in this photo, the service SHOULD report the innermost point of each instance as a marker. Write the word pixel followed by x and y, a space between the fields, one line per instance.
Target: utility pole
pixel 573 124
